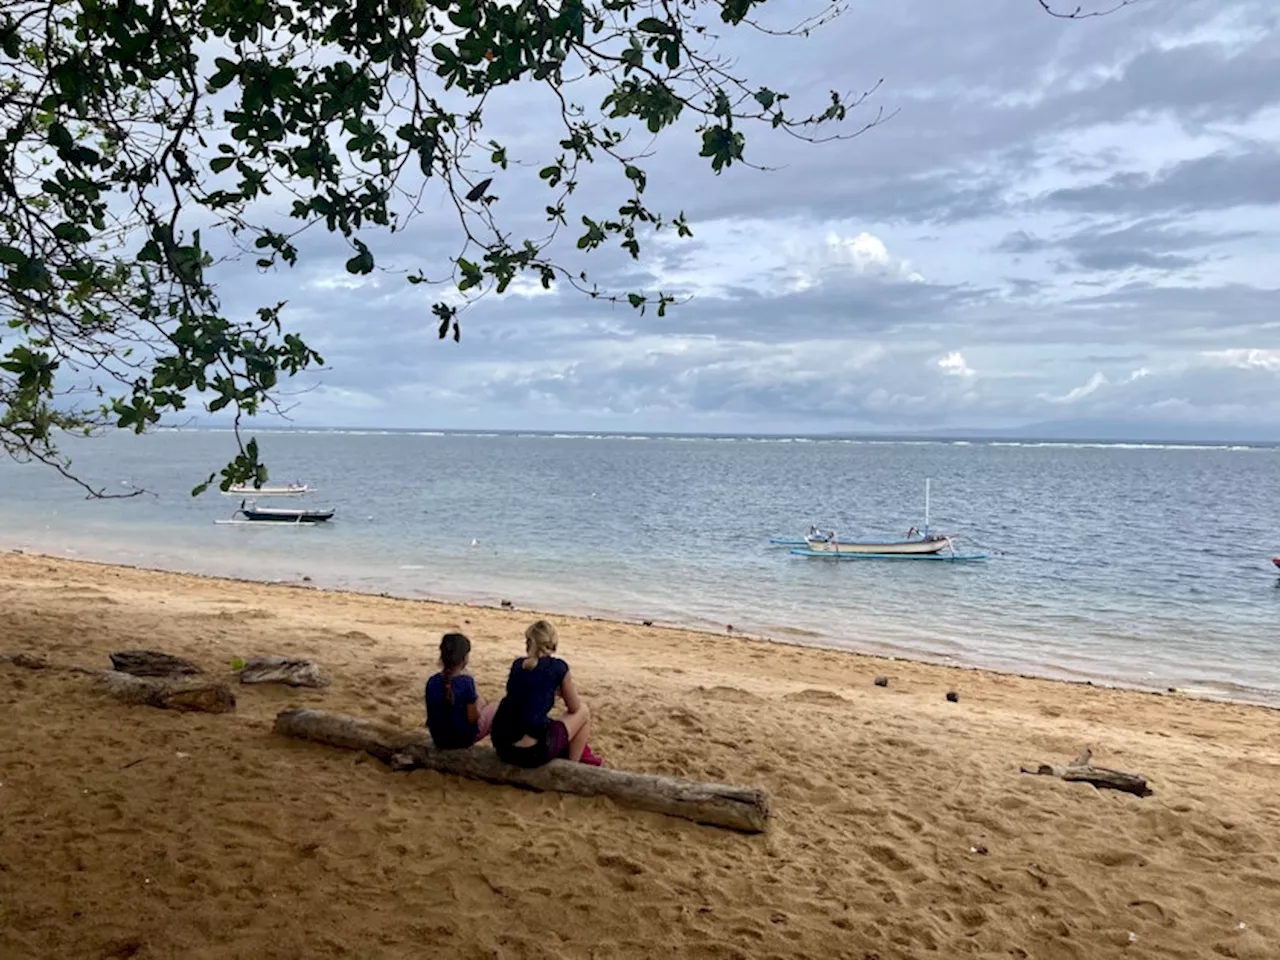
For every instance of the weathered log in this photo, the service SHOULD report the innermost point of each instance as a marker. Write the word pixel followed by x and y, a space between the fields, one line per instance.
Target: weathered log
pixel 152 663
pixel 1081 770
pixel 737 808
pixel 206 696
pixel 294 671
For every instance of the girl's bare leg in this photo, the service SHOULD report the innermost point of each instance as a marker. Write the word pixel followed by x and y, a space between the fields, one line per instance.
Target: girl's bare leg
pixel 485 723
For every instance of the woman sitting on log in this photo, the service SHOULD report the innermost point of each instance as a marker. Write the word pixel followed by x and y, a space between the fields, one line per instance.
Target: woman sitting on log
pixel 457 715
pixel 524 733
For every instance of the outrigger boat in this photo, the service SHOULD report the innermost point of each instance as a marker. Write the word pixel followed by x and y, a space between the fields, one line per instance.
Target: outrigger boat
pixel 918 544
pixel 285 490
pixel 913 545
pixel 252 513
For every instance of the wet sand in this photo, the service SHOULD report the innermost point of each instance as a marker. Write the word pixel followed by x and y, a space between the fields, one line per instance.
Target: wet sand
pixel 902 826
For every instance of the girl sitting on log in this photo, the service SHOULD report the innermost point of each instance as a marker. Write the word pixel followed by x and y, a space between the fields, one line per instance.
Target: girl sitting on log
pixel 457 715
pixel 524 733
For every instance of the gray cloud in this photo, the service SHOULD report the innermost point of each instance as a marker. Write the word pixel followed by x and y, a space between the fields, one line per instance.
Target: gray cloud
pixel 1149 244
pixel 1218 181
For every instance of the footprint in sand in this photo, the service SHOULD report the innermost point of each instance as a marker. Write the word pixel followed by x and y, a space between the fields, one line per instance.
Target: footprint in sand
pixel 729 694
pixel 612 861
pixel 686 720
pixel 888 857
pixel 821 698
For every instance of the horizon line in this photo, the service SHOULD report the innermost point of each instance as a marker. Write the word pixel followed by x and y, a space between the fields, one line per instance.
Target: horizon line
pixel 985 435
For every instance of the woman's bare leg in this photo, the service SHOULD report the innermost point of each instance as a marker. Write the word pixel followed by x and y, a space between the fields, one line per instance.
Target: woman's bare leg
pixel 578 725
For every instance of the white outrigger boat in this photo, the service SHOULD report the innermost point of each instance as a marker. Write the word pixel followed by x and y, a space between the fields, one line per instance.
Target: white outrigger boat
pixel 250 512
pixel 918 544
pixel 915 544
pixel 284 490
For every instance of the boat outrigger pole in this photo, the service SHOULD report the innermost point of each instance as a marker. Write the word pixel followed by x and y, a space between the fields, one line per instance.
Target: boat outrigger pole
pixel 926 506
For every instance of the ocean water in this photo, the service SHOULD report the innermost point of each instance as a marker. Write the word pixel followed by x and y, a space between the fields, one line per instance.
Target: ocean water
pixel 1136 564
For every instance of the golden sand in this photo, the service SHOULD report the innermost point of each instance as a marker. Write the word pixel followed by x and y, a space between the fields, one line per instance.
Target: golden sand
pixel 902 828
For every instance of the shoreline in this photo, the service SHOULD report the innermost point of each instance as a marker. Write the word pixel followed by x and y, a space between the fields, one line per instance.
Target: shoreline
pixel 443 603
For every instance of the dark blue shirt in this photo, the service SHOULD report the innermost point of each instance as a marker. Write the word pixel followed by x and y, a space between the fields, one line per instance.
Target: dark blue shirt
pixel 532 694
pixel 449 726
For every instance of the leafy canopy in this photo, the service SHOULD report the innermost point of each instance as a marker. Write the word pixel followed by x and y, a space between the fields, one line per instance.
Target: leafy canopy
pixel 142 143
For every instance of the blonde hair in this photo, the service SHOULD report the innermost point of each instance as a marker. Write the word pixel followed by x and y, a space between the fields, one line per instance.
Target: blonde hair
pixel 540 641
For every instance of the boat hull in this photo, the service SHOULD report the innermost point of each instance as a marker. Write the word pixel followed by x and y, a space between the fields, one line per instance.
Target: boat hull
pixel 923 545
pixel 289 490
pixel 947 557
pixel 262 514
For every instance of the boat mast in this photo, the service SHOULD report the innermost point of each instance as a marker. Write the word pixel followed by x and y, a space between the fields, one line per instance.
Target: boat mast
pixel 926 506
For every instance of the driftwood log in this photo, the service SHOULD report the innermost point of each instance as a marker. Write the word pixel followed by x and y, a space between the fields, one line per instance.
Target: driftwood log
pixel 192 695
pixel 152 663
pixel 167 693
pixel 1080 769
pixel 294 671
pixel 737 808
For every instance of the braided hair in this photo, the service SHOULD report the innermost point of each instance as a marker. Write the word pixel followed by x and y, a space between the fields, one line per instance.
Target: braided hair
pixel 454 650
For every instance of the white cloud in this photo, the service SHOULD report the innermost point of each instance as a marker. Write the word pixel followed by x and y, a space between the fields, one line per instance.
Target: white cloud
pixel 1268 360
pixel 769 256
pixel 864 255
pixel 1096 382
pixel 955 365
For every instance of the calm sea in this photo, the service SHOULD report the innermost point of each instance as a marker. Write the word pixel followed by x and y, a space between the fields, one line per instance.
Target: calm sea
pixel 1137 564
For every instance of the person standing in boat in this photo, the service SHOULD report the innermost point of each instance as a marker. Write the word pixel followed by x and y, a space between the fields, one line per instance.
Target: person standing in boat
pixel 524 732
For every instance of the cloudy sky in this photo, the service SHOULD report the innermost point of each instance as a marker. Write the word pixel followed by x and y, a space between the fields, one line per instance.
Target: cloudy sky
pixel 1062 221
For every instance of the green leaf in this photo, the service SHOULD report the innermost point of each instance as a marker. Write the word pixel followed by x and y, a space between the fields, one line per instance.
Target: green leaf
pixel 71 232
pixel 13 257
pixel 654 25
pixel 362 262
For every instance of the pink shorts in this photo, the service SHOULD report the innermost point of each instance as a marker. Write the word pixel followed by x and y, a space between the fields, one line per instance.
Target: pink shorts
pixel 485 724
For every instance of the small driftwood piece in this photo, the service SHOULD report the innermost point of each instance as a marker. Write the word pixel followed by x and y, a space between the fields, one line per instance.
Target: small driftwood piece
pixel 28 661
pixel 745 809
pixel 294 671
pixel 152 663
pixel 1080 769
pixel 178 693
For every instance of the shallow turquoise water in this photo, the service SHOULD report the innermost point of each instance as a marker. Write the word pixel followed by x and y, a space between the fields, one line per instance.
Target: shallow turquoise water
pixel 1136 564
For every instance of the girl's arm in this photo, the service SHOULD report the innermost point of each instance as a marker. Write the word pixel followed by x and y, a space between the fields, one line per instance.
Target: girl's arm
pixel 476 704
pixel 569 691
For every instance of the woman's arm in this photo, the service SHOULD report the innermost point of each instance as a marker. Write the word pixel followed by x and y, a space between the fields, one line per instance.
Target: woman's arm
pixel 569 692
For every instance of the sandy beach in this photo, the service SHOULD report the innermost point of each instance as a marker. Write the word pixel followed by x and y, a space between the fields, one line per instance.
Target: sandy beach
pixel 902 827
